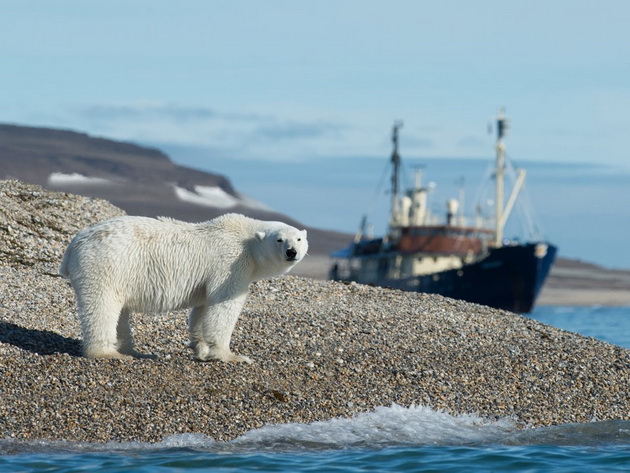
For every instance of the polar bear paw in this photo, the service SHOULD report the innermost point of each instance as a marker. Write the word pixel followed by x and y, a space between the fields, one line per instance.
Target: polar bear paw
pixel 203 352
pixel 113 353
pixel 110 353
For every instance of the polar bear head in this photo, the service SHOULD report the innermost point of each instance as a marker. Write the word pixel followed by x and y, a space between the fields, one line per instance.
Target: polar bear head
pixel 281 246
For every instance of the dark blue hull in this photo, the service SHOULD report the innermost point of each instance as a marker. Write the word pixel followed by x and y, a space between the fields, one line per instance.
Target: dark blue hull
pixel 510 277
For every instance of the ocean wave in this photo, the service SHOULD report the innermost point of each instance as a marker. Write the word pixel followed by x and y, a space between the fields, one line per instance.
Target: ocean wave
pixel 385 426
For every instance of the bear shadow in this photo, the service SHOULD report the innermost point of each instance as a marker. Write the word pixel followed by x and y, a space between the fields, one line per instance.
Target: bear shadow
pixel 42 342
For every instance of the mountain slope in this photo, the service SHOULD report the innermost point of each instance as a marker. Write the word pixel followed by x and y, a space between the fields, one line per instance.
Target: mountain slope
pixel 34 153
pixel 139 180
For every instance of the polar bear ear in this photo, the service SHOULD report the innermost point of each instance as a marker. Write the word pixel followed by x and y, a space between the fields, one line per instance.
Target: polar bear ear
pixel 260 236
pixel 303 232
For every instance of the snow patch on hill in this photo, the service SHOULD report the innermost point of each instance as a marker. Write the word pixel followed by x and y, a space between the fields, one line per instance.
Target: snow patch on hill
pixel 205 196
pixel 62 179
pixel 215 197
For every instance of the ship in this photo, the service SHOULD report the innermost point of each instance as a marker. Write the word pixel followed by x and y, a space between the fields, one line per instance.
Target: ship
pixel 475 263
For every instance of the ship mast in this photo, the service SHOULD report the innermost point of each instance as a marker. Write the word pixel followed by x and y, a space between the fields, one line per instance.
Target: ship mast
pixel 502 125
pixel 395 211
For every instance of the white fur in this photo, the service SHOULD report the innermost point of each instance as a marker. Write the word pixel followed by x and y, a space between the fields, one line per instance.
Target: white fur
pixel 139 264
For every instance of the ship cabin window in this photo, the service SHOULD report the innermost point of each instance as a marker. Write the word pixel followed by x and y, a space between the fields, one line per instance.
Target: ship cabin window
pixel 419 231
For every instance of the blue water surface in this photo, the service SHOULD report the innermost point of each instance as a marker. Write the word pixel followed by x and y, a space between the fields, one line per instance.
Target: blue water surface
pixel 411 459
pixel 393 438
pixel 610 324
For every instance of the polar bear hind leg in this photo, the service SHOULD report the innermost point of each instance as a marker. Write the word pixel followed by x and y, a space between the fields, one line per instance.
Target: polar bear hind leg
pixel 124 337
pixel 105 329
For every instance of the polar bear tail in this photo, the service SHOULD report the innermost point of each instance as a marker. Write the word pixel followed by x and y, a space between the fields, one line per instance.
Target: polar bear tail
pixel 63 267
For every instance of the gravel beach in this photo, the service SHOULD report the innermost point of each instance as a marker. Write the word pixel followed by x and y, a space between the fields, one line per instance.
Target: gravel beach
pixel 321 350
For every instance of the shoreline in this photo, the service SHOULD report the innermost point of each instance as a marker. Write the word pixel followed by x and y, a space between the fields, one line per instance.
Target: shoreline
pixel 584 297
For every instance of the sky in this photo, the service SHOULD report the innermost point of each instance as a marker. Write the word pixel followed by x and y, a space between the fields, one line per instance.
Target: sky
pixel 219 83
pixel 290 80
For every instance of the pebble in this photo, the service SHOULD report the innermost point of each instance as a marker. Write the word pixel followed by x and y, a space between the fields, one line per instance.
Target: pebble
pixel 321 349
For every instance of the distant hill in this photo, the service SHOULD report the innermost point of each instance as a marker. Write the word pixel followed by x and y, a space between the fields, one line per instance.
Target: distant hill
pixel 139 180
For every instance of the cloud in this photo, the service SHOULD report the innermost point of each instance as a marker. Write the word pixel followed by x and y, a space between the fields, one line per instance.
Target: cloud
pixel 292 130
pixel 171 112
pixel 253 125
pixel 240 133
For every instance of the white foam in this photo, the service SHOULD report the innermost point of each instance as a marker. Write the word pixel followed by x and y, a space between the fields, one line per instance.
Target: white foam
pixel 185 441
pixel 61 179
pixel 180 441
pixel 395 425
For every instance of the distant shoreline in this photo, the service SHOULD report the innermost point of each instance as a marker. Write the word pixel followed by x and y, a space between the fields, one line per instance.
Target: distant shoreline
pixel 586 297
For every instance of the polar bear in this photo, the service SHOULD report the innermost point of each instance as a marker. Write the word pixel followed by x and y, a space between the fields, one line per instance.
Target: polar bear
pixel 142 264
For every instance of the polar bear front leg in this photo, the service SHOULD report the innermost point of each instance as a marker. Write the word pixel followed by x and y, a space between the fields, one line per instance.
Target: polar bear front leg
pixel 211 328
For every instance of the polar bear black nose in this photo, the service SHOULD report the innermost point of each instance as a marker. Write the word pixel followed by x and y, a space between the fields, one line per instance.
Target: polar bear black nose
pixel 291 253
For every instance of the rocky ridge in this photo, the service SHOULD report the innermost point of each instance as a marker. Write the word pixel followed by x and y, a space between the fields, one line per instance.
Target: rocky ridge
pixel 320 350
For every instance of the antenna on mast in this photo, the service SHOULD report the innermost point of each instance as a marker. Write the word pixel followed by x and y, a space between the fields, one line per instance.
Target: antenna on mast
pixel 502 127
pixel 394 216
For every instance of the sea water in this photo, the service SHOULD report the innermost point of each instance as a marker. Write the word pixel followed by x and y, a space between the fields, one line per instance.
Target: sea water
pixel 391 438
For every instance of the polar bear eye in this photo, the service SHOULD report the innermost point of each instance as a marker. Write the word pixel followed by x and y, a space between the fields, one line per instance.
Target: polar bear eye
pixel 299 239
pixel 279 240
